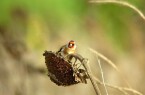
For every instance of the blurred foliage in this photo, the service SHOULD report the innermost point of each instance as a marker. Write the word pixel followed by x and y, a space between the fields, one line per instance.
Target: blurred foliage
pixel 58 14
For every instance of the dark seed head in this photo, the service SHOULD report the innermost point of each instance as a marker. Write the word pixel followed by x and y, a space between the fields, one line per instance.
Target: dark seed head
pixel 59 70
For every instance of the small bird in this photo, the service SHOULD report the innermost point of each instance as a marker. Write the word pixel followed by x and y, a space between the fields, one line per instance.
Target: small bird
pixel 67 49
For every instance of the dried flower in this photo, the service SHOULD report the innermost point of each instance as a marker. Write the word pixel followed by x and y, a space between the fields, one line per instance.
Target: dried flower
pixel 59 70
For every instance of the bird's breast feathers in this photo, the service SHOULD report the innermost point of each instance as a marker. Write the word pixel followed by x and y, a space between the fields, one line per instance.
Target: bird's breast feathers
pixel 69 50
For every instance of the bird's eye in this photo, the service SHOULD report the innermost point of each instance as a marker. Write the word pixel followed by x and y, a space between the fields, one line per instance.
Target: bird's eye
pixel 71 45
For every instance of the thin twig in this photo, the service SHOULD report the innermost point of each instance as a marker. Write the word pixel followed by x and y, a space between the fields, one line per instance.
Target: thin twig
pixel 102 76
pixel 110 63
pixel 123 3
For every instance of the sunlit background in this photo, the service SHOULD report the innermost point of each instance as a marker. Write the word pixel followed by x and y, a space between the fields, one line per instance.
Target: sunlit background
pixel 29 27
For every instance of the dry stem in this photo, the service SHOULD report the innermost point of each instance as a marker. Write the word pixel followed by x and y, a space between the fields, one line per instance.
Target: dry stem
pixel 88 70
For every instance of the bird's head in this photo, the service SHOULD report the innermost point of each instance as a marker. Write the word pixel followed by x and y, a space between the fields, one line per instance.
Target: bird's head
pixel 71 44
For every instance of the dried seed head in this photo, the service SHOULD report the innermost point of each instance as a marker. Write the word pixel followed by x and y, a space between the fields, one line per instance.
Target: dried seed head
pixel 59 70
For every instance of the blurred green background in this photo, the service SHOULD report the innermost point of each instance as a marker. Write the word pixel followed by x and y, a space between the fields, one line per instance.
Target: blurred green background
pixel 28 27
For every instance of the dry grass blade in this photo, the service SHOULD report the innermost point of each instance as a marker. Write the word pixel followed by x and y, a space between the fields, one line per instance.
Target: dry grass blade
pixel 102 75
pixel 121 89
pixel 99 82
pixel 123 3
pixel 104 58
pixel 109 62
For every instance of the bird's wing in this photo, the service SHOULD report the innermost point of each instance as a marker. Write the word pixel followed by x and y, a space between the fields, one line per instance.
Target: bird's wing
pixel 61 48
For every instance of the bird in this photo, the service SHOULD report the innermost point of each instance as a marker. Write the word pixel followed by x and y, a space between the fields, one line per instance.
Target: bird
pixel 69 48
